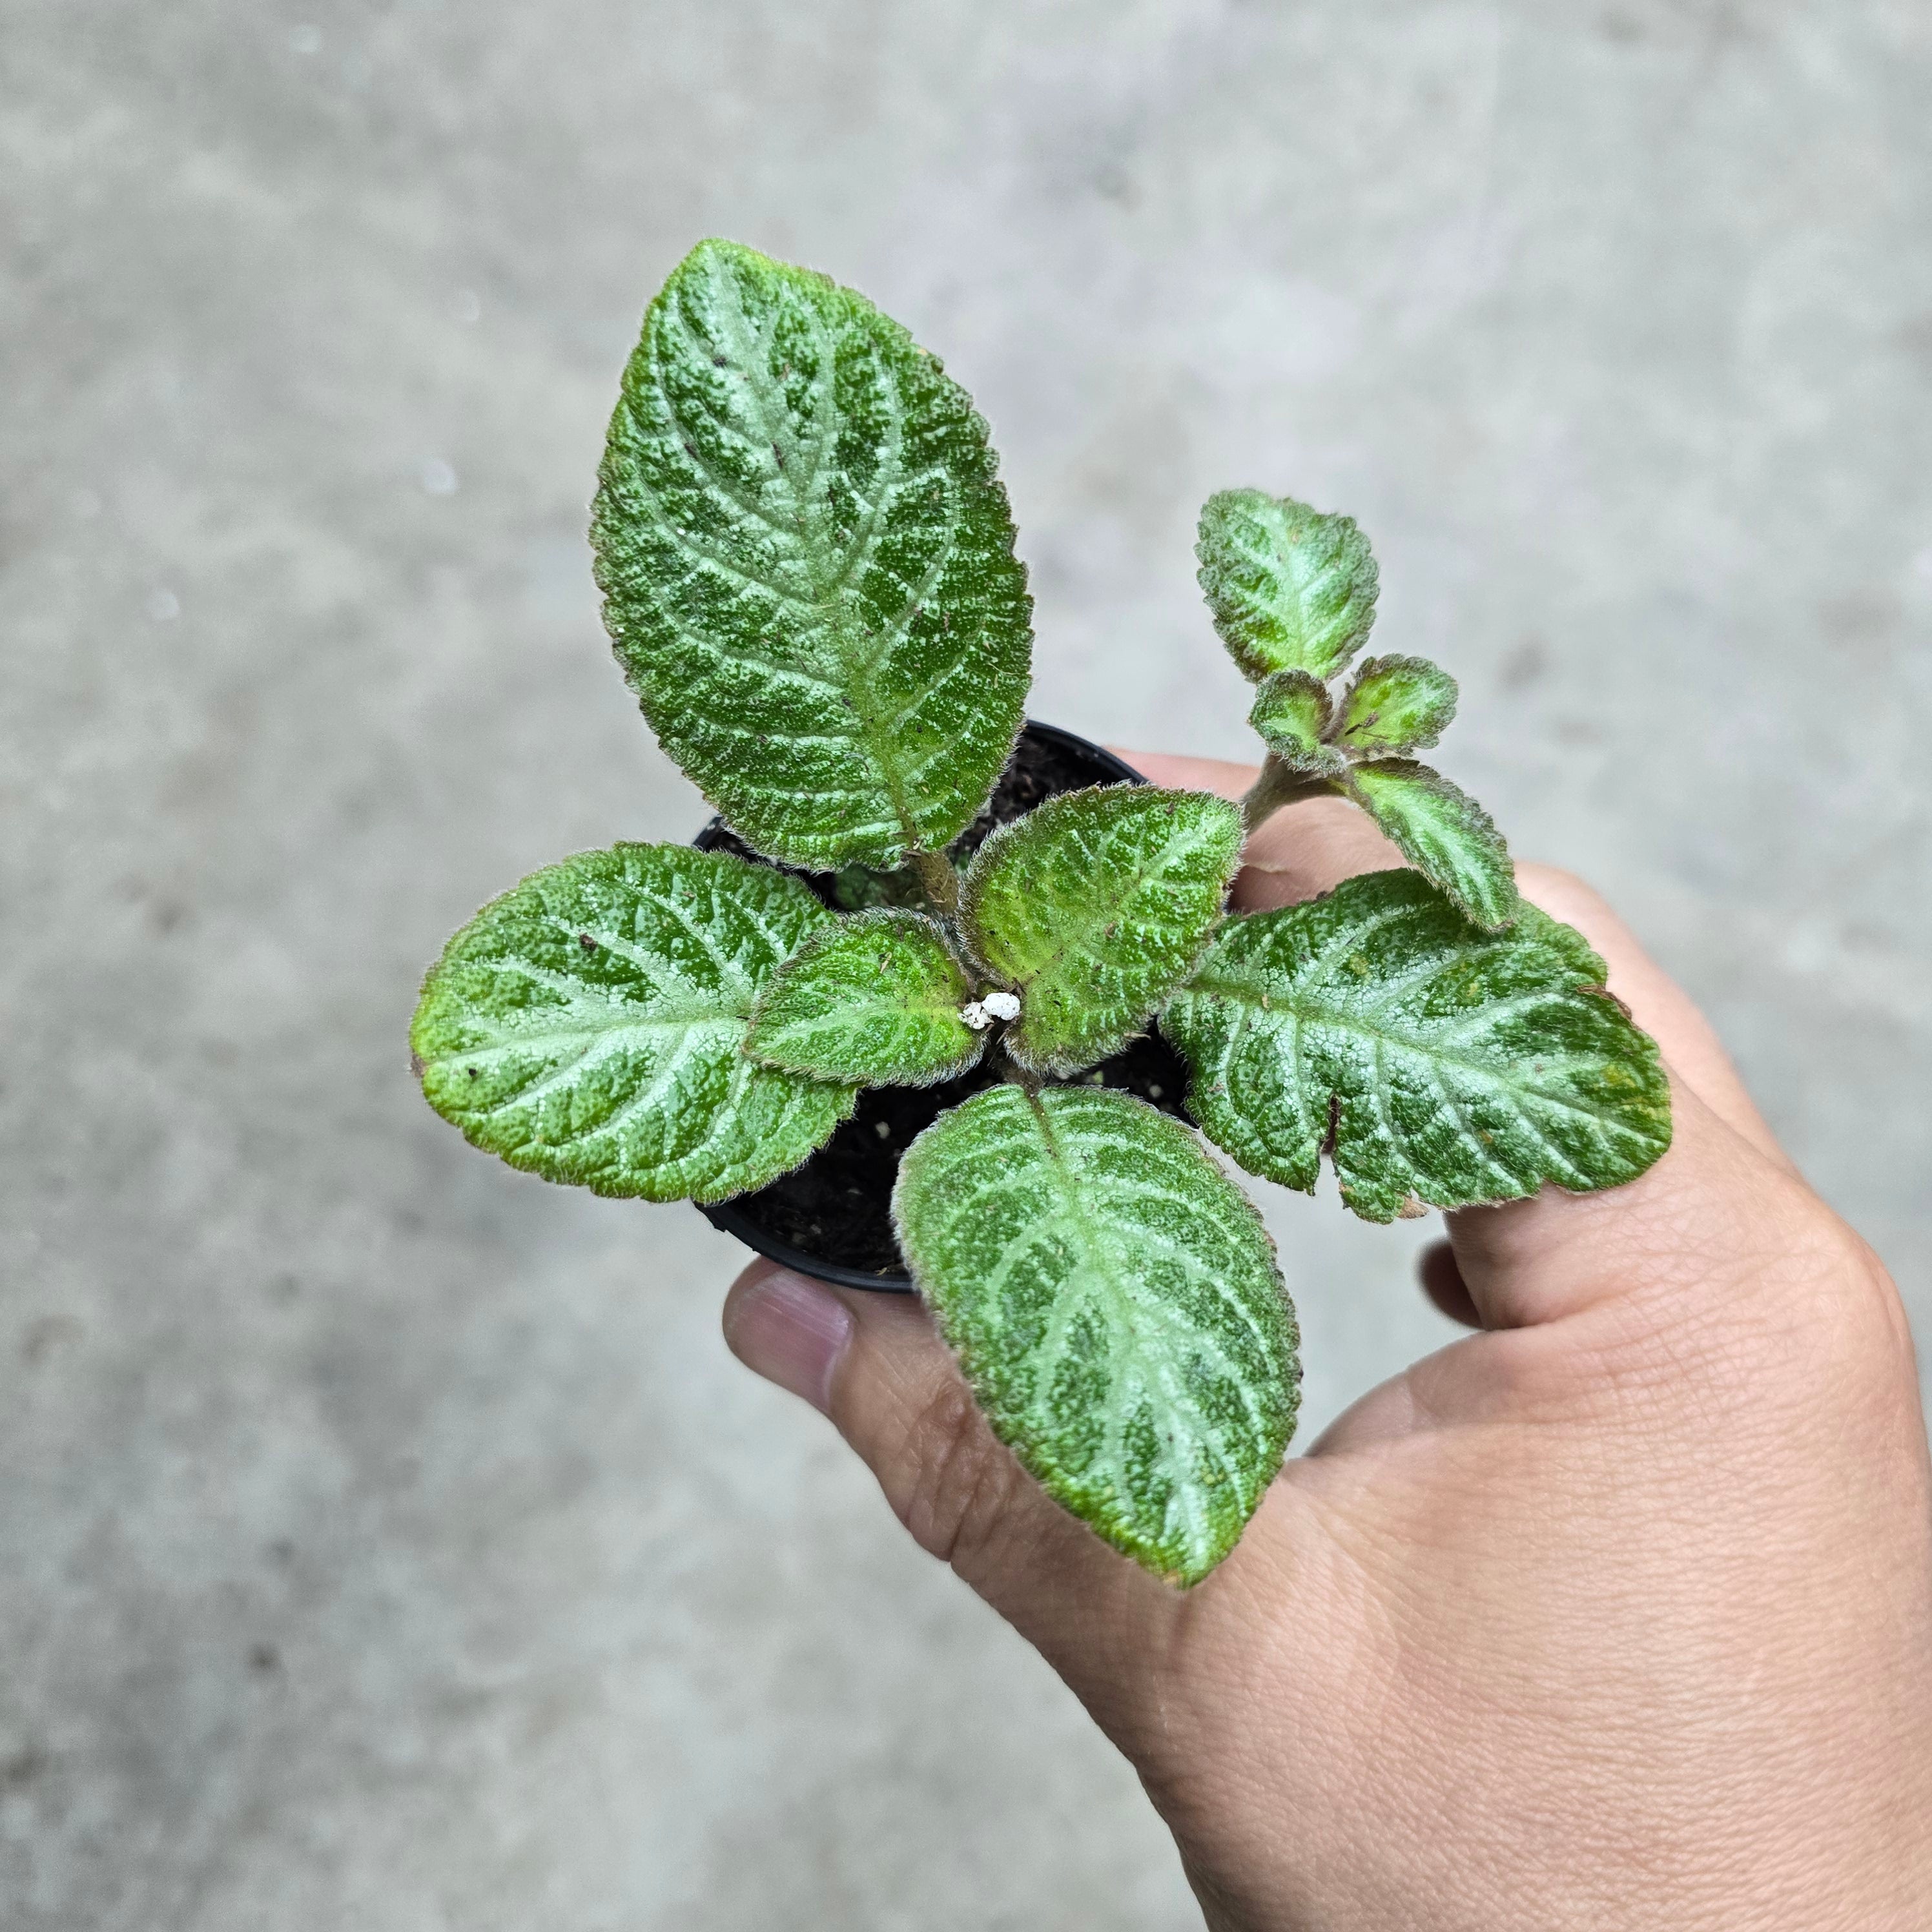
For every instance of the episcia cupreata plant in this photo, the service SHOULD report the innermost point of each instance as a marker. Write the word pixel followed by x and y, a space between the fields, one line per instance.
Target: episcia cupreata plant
pixel 809 572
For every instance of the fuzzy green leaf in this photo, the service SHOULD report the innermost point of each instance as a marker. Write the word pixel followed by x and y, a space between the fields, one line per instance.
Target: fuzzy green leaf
pixel 1443 831
pixel 1290 589
pixel 1114 1301
pixel 874 1000
pixel 1093 908
pixel 1292 713
pixel 587 1025
pixel 1450 1066
pixel 808 564
pixel 1396 705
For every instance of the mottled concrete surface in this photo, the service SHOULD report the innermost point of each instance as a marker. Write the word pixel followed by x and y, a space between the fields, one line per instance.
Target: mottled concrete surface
pixel 386 1540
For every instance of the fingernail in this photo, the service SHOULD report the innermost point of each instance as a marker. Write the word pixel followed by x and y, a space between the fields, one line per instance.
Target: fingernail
pixel 791 1331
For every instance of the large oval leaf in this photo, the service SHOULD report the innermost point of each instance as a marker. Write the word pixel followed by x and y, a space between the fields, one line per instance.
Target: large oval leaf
pixel 808 564
pixel 1114 1301
pixel 1446 1065
pixel 875 1000
pixel 1095 906
pixel 587 1025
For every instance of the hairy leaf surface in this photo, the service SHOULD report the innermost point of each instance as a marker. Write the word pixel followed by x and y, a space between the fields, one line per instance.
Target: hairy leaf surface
pixel 1442 831
pixel 1452 1066
pixel 808 564
pixel 1290 589
pixel 587 1025
pixel 1292 713
pixel 1397 705
pixel 1094 907
pixel 1114 1301
pixel 874 1000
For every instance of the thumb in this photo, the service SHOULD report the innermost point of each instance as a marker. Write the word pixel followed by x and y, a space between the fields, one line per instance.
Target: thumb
pixel 874 1364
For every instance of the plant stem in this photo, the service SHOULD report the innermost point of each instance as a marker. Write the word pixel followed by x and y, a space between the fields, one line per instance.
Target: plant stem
pixel 1278 785
pixel 941 881
pixel 1014 1076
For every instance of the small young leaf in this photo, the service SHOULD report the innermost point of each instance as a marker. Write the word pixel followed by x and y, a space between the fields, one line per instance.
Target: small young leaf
pixel 1290 590
pixel 1114 1301
pixel 807 564
pixel 1443 831
pixel 587 1025
pixel 1094 907
pixel 1292 712
pixel 1450 1066
pixel 874 1000
pixel 1396 705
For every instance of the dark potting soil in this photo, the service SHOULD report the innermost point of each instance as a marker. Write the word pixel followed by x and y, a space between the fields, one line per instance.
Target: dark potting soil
pixel 837 1207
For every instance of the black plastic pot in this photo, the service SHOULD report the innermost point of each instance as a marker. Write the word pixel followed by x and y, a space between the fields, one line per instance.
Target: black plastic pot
pixel 840 1198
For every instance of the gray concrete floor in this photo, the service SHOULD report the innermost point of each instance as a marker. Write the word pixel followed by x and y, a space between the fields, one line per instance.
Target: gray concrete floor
pixel 386 1540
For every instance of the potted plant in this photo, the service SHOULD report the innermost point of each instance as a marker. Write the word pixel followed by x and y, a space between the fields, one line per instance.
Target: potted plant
pixel 905 983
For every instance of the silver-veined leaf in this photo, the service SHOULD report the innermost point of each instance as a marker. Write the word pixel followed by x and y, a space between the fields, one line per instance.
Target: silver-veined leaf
pixel 1289 588
pixel 587 1026
pixel 1094 907
pixel 1449 1066
pixel 874 1000
pixel 808 564
pixel 1443 831
pixel 1114 1301
pixel 1396 705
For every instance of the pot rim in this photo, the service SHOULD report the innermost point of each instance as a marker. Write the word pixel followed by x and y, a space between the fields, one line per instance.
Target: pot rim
pixel 729 1218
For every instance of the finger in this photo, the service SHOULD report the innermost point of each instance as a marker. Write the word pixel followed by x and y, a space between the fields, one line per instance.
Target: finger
pixel 874 1364
pixel 1442 1282
pixel 1656 1002
pixel 1222 776
pixel 1532 1261
pixel 1716 1218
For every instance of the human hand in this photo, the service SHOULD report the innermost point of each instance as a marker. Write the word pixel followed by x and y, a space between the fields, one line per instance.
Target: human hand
pixel 1617 1613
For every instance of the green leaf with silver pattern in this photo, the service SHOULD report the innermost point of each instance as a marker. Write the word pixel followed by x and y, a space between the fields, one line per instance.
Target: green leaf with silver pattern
pixel 1289 588
pixel 1443 831
pixel 1444 1065
pixel 1093 908
pixel 1114 1301
pixel 807 560
pixel 1396 705
pixel 875 1000
pixel 587 1026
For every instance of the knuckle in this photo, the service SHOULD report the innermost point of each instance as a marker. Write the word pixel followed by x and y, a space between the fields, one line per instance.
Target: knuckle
pixel 1819 1309
pixel 1854 1296
pixel 961 1479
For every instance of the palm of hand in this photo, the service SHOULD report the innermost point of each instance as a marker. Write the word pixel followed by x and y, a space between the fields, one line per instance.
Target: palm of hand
pixel 1619 1612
